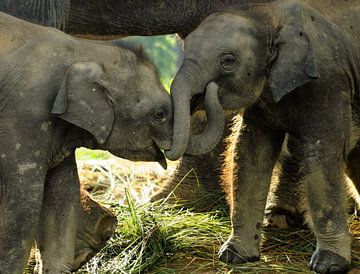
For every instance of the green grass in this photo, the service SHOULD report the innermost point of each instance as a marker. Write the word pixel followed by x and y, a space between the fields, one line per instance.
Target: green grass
pixel 87 154
pixel 162 238
pixel 149 235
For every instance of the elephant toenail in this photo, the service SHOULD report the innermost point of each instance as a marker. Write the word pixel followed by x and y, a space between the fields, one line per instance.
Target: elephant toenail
pixel 319 268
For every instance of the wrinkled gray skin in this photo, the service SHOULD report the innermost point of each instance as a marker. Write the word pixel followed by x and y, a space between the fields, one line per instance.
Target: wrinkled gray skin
pixel 59 93
pixel 97 225
pixel 109 19
pixel 93 224
pixel 294 67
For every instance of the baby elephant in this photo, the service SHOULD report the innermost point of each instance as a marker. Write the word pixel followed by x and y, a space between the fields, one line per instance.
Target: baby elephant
pixel 58 93
pixel 96 225
pixel 292 68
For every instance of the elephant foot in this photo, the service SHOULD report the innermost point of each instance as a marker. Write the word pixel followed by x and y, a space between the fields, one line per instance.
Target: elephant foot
pixel 284 219
pixel 232 252
pixel 325 261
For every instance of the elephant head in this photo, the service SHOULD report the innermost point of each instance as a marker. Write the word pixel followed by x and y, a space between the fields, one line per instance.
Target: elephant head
pixel 242 52
pixel 96 225
pixel 120 101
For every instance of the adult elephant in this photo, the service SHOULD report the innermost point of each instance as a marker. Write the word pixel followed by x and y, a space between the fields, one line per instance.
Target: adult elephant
pixel 108 18
pixel 293 66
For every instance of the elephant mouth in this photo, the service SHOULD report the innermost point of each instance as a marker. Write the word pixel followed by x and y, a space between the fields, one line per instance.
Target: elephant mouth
pixel 159 156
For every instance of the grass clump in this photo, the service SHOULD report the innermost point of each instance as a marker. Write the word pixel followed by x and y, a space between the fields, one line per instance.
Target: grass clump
pixel 152 234
pixel 163 238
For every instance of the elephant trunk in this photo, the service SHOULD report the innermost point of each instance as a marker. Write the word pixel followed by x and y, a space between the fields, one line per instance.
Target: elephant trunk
pixel 181 95
pixel 186 84
pixel 206 141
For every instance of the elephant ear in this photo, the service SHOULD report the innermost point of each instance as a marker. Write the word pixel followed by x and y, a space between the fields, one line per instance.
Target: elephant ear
pixel 83 101
pixel 294 64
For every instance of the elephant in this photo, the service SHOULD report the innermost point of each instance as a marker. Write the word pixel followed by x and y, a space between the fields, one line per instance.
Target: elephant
pixel 101 20
pixel 109 19
pixel 97 225
pixel 292 69
pixel 59 93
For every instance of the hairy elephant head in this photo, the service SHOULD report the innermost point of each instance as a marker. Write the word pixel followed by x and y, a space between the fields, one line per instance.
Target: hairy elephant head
pixel 96 225
pixel 117 97
pixel 242 52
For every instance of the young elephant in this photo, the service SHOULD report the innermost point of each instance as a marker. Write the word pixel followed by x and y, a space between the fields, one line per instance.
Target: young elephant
pixel 96 224
pixel 294 66
pixel 59 93
pixel 78 238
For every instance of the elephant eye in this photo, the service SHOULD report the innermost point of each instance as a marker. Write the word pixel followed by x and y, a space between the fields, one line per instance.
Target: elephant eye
pixel 159 115
pixel 228 62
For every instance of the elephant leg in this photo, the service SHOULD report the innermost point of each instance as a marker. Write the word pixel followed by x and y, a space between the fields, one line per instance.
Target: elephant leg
pixel 59 218
pixel 257 150
pixel 324 178
pixel 96 225
pixel 287 201
pixel 21 193
pixel 196 180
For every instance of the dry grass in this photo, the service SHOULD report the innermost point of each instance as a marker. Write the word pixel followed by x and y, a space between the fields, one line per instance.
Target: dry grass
pixel 159 238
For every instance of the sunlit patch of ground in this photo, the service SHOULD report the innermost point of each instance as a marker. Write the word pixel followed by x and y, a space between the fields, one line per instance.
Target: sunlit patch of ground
pixel 109 178
pixel 161 238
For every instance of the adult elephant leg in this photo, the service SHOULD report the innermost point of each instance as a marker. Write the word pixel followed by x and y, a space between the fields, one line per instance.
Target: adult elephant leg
pixel 287 201
pixel 21 194
pixel 59 218
pixel 196 180
pixel 257 150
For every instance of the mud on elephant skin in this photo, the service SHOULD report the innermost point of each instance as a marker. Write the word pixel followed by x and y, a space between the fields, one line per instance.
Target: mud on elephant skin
pixel 59 93
pixel 293 67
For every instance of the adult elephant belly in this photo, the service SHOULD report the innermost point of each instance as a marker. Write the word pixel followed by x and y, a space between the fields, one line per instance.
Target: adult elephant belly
pixel 104 19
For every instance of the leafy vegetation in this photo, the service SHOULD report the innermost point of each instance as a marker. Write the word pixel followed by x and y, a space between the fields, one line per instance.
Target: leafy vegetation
pixel 164 51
